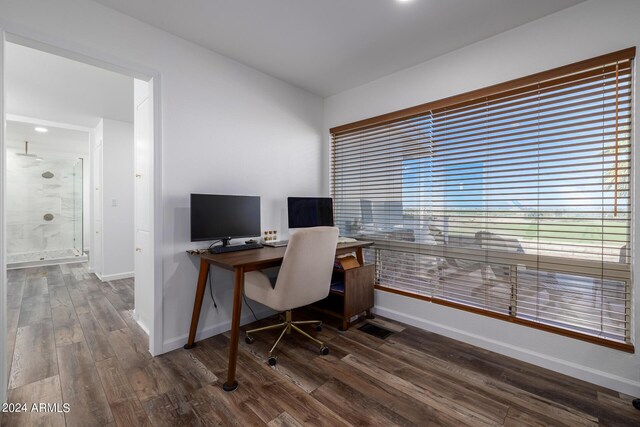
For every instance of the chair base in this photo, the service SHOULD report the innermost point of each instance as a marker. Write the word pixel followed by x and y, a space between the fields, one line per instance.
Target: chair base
pixel 287 326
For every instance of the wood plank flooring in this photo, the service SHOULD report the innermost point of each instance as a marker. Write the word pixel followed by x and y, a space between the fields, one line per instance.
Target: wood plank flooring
pixel 73 339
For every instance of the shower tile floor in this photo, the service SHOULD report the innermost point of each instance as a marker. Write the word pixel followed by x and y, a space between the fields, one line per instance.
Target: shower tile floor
pixel 50 256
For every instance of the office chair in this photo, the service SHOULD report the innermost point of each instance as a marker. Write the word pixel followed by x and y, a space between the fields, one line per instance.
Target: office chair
pixel 304 278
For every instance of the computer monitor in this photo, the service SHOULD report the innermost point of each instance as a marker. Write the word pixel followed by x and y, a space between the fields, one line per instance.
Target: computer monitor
pixel 224 217
pixel 310 212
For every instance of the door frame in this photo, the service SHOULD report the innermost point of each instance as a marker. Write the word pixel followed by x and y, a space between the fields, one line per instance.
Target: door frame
pixel 33 39
pixel 95 203
pixel 4 374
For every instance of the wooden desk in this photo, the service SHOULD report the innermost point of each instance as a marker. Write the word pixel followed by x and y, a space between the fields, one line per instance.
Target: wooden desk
pixel 240 263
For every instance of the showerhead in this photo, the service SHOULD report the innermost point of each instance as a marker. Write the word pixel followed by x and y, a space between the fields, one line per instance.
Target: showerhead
pixel 26 152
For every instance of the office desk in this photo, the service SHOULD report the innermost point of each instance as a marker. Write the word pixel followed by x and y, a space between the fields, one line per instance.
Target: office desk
pixel 240 263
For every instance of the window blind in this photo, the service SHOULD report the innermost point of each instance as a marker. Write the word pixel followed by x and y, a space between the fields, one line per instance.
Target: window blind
pixel 511 201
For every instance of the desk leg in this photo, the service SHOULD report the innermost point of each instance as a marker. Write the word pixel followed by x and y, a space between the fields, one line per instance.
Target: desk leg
pixel 231 383
pixel 197 303
pixel 360 256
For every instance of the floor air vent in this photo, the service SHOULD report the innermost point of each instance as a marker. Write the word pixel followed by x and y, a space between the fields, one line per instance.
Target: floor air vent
pixel 374 330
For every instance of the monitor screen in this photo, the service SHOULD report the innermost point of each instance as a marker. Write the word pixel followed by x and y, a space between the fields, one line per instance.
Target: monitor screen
pixel 217 216
pixel 310 212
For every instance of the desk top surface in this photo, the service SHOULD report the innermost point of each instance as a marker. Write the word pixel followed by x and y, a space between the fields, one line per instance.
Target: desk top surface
pixel 266 257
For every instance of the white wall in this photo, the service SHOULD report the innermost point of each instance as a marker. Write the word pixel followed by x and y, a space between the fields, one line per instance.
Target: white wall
pixel 589 29
pixel 117 199
pixel 223 124
pixel 112 243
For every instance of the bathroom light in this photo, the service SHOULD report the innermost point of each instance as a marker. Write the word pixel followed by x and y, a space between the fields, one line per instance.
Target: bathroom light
pixel 41 130
pixel 403 1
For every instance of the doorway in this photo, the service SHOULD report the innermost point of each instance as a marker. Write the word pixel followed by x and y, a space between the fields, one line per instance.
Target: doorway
pixel 152 271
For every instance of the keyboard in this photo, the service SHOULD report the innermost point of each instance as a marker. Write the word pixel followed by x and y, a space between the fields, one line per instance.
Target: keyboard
pixel 277 243
pixel 280 243
pixel 234 248
pixel 342 239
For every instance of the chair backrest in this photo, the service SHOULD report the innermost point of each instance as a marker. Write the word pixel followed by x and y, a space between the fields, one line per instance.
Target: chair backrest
pixel 305 274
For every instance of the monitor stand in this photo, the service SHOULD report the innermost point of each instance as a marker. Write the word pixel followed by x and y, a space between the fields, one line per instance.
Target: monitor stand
pixel 225 242
pixel 226 247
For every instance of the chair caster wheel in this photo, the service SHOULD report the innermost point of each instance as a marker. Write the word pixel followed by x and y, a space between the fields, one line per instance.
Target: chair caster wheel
pixel 248 339
pixel 272 360
pixel 324 350
pixel 319 327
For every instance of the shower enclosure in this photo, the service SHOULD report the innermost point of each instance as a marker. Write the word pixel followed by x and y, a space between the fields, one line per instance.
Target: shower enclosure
pixel 44 210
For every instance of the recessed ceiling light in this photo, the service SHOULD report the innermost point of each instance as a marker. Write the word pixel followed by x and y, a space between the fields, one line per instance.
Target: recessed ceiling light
pixel 41 130
pixel 403 1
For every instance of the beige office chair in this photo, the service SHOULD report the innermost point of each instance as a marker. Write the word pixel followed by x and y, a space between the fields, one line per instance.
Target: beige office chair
pixel 304 278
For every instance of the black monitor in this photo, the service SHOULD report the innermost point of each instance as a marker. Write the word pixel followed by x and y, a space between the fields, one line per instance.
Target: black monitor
pixel 224 217
pixel 310 212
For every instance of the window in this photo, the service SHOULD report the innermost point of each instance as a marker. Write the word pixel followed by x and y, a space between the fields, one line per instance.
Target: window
pixel 511 201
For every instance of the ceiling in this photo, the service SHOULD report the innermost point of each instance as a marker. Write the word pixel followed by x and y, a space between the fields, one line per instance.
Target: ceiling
pixel 328 46
pixel 49 87
pixel 57 140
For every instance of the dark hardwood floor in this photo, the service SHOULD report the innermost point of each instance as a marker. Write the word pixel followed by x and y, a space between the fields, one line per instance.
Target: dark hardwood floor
pixel 72 339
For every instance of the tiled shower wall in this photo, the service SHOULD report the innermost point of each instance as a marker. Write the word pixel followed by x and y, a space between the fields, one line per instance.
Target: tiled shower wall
pixel 42 213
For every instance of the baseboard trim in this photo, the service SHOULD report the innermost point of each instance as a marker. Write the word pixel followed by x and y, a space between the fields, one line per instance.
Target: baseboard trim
pixel 604 379
pixel 109 277
pixel 140 323
pixel 210 331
